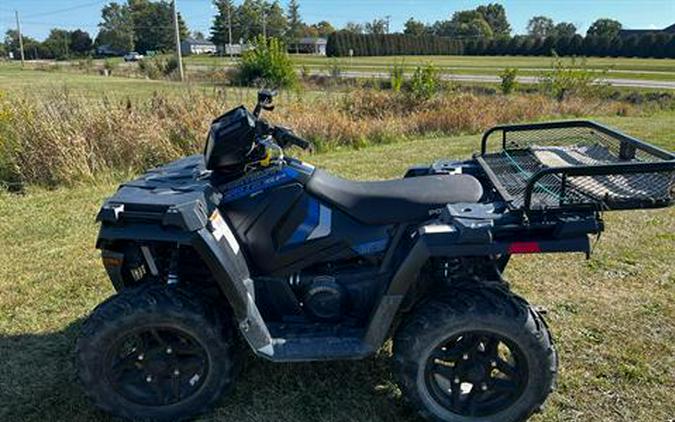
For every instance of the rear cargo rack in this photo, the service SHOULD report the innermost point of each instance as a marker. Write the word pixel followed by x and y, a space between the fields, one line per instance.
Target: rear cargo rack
pixel 576 164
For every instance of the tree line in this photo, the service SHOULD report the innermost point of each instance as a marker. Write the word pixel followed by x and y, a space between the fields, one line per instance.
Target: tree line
pixel 486 31
pixel 344 43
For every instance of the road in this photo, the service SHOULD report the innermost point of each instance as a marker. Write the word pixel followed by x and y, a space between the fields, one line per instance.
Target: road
pixel 618 82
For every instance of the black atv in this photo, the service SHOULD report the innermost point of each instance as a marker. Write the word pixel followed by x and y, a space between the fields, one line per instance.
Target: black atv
pixel 244 243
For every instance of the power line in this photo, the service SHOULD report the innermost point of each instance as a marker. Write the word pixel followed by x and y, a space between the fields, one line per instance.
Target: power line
pixel 67 9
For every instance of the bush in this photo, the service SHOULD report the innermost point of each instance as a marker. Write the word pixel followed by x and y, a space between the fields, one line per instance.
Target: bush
pixel 509 82
pixel 109 66
pixel 425 82
pixel 571 78
pixel 397 76
pixel 267 64
pixel 157 67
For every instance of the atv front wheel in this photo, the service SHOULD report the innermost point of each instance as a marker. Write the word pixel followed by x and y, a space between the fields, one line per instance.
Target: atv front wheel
pixel 479 354
pixel 155 352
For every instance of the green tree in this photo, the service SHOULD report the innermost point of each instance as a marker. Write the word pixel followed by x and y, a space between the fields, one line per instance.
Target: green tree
pixel 58 43
pixel 153 25
pixel 540 27
pixel 219 28
pixel 323 28
pixel 565 29
pixel 377 26
pixel 467 23
pixel 251 16
pixel 295 25
pixel 276 23
pixel 495 15
pixel 415 28
pixel 32 48
pixel 116 27
pixel 354 28
pixel 80 42
pixel 608 28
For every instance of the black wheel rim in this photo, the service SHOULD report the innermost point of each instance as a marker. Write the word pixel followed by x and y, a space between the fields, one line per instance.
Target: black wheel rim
pixel 476 373
pixel 156 366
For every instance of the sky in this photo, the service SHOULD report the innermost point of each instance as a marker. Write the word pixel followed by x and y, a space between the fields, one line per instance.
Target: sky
pixel 38 16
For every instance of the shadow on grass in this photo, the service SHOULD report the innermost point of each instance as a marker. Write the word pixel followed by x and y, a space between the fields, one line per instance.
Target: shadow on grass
pixel 38 383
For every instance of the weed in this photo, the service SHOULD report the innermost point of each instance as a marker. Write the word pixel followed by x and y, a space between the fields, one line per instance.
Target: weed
pixel 425 82
pixel 572 78
pixel 397 76
pixel 509 80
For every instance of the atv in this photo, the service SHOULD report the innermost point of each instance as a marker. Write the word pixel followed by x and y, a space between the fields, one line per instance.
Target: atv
pixel 243 245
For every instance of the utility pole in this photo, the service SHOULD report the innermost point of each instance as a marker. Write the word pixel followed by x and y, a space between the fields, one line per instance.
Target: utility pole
pixel 229 28
pixel 18 29
pixel 65 45
pixel 179 56
pixel 388 20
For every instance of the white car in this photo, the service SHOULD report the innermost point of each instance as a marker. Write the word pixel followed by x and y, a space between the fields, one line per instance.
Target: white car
pixel 132 57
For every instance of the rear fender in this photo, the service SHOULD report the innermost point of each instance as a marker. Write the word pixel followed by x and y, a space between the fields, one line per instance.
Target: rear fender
pixel 440 239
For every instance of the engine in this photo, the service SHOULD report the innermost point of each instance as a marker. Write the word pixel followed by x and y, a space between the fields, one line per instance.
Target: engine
pixel 319 296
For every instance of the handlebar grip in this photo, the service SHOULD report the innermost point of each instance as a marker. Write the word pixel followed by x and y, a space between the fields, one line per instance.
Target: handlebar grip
pixel 285 137
pixel 296 140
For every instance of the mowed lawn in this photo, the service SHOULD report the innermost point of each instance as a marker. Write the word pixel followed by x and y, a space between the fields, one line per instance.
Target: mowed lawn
pixel 618 67
pixel 613 316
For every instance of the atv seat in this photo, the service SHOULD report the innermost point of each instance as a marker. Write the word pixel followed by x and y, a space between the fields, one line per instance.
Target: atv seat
pixel 394 201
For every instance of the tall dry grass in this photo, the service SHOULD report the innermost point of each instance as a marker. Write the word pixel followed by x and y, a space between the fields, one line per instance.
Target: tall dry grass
pixel 61 138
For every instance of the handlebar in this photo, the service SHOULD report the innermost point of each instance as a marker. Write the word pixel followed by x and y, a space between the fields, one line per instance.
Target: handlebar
pixel 286 137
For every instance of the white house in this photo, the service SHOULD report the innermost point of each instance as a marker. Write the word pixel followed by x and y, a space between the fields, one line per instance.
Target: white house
pixel 309 46
pixel 192 46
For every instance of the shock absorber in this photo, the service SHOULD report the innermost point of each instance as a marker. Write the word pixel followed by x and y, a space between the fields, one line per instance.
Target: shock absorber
pixel 446 269
pixel 172 276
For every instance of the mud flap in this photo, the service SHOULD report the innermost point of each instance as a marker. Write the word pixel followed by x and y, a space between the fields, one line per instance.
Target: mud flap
pixel 221 253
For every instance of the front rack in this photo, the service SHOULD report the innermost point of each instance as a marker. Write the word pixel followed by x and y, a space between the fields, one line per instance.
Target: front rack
pixel 576 164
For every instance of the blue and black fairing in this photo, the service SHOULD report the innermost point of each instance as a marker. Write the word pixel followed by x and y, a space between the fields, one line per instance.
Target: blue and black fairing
pixel 285 229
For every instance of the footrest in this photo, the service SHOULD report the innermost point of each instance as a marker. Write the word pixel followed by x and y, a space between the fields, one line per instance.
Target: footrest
pixel 304 349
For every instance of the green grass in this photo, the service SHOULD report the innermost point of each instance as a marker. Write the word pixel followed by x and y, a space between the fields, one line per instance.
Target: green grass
pixel 624 68
pixel 14 78
pixel 612 316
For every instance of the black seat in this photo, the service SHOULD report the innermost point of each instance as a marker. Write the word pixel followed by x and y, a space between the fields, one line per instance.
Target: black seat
pixel 394 201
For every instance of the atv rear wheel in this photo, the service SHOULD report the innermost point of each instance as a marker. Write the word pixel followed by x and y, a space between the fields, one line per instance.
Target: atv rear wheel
pixel 479 354
pixel 155 352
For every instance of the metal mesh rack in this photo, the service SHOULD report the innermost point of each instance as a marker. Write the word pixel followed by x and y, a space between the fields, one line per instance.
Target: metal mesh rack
pixel 576 163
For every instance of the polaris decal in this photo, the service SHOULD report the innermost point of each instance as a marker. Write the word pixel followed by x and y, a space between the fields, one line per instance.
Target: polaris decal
pixel 258 182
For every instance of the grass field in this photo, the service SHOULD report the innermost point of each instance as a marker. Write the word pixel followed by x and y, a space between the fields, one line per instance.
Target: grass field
pixel 626 68
pixel 612 316
pixel 13 78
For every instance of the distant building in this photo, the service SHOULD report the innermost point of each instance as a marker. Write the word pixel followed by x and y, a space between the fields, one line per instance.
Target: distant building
pixel 192 46
pixel 309 46
pixel 625 33
pixel 232 49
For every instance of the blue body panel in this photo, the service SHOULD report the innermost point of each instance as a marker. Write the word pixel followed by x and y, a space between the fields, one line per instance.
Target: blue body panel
pixel 286 229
